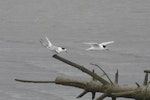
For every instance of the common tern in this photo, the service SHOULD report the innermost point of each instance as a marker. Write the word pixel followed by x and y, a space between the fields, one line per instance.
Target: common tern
pixel 97 46
pixel 49 45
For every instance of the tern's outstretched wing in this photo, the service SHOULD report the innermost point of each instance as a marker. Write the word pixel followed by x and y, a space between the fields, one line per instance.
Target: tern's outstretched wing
pixel 43 43
pixel 49 43
pixel 93 44
pixel 106 43
pixel 53 49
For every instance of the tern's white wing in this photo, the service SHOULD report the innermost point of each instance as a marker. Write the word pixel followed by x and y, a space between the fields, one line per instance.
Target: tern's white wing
pixel 93 44
pixel 105 43
pixel 43 43
pixel 49 43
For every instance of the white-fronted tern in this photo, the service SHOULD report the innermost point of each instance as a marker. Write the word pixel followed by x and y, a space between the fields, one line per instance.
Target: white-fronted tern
pixel 49 45
pixel 97 46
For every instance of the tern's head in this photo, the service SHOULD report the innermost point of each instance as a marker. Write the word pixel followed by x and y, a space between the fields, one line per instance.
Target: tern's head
pixel 64 49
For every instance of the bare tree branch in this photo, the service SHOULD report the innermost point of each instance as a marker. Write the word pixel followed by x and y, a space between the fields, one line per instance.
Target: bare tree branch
pixel 102 96
pixel 82 94
pixel 103 72
pixel 83 69
pixel 31 81
pixel 109 90
pixel 116 77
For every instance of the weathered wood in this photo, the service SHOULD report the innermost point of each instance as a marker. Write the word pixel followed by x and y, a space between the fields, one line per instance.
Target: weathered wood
pixel 111 90
pixel 145 79
pixel 31 81
pixel 102 96
pixel 114 98
pixel 116 77
pixel 146 71
pixel 92 86
pixel 82 69
pixel 102 86
pixel 82 94
pixel 103 72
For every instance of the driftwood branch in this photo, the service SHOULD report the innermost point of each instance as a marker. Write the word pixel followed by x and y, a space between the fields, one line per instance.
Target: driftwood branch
pixel 83 69
pixel 31 81
pixel 100 85
pixel 103 72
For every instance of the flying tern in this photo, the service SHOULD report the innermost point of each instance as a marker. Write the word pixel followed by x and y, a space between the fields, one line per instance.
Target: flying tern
pixel 49 45
pixel 97 46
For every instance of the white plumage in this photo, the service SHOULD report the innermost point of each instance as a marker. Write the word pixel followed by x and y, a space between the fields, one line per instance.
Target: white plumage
pixel 49 45
pixel 97 46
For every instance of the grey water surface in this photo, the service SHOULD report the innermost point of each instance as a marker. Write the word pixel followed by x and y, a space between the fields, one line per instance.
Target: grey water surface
pixel 69 23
